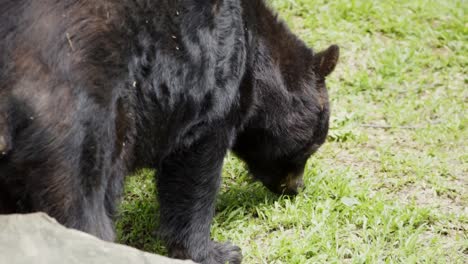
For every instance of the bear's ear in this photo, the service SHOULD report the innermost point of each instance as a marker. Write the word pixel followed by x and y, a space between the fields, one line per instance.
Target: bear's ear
pixel 326 60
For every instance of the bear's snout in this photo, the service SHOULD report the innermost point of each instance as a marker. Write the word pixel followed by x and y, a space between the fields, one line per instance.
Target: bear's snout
pixel 4 146
pixel 293 185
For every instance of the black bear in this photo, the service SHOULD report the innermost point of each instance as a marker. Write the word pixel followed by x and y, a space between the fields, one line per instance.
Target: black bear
pixel 93 90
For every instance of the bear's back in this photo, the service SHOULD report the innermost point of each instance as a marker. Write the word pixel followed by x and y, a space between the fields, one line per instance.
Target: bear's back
pixel 100 46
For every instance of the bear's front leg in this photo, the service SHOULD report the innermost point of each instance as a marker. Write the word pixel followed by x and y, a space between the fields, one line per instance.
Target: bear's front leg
pixel 188 182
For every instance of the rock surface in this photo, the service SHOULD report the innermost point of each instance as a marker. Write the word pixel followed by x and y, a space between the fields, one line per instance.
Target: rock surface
pixel 37 238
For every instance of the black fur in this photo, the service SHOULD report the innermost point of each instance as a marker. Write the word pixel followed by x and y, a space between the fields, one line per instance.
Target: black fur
pixel 93 90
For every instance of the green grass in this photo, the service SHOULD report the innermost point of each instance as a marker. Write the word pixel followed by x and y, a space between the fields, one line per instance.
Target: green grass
pixel 390 185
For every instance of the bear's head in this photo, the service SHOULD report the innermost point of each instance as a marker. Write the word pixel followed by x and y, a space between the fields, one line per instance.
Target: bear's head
pixel 290 110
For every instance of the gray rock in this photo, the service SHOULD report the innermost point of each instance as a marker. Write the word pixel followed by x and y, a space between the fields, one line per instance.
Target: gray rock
pixel 39 239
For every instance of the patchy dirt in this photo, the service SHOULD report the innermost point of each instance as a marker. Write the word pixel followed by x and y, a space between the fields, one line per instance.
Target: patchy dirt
pixel 428 197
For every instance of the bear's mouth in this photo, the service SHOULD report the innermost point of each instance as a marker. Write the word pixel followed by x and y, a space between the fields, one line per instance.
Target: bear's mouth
pixel 292 185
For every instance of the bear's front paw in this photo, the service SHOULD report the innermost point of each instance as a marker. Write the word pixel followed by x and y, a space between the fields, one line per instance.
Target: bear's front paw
pixel 222 253
pixel 217 253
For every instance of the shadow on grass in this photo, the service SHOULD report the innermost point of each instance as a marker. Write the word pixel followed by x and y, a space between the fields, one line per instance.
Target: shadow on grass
pixel 247 196
pixel 137 223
